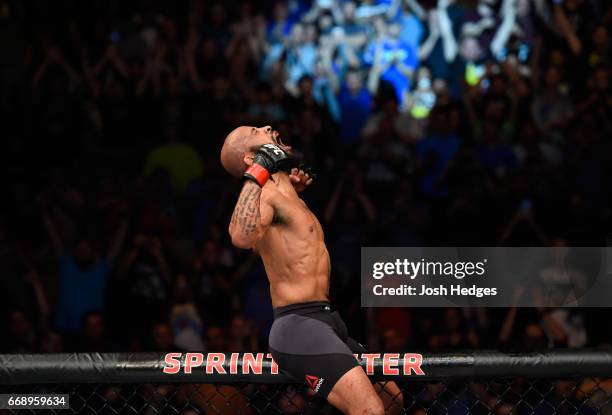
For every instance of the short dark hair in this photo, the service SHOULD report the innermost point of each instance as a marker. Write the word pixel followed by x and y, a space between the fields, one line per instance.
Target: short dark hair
pixel 305 78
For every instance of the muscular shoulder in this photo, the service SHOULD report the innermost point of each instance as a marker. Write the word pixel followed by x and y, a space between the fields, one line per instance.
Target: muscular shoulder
pixel 280 204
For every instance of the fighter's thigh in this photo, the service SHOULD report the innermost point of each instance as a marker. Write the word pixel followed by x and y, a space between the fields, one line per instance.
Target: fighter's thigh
pixel 354 394
pixel 389 392
pixel 391 397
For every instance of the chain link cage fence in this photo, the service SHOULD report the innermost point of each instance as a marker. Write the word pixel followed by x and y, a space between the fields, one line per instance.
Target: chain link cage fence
pixel 467 383
pixel 495 396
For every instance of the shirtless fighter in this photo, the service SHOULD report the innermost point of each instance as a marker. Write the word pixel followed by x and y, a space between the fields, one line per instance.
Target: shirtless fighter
pixel 307 339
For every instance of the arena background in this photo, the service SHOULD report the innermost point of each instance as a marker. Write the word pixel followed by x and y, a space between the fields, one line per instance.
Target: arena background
pixel 446 123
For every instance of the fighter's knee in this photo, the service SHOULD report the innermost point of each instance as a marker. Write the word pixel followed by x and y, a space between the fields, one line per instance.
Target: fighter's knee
pixel 391 396
pixel 395 406
pixel 398 399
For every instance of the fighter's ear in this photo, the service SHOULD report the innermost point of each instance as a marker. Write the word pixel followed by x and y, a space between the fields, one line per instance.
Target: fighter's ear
pixel 248 158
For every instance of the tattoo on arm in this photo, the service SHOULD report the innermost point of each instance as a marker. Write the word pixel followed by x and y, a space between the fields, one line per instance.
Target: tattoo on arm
pixel 246 216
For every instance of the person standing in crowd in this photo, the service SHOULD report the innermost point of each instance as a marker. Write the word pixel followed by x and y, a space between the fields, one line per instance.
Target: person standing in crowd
pixel 83 272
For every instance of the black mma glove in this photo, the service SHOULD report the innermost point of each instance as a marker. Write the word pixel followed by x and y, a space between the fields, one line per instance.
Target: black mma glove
pixel 308 170
pixel 268 160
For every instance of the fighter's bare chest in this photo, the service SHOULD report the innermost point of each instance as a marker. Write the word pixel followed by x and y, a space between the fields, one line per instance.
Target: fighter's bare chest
pixel 295 230
pixel 296 217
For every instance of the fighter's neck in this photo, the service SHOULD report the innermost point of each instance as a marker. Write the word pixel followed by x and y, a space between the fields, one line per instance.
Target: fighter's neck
pixel 281 180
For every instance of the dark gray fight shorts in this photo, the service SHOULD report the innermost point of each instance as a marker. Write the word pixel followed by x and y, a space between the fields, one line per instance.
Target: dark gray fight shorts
pixel 311 343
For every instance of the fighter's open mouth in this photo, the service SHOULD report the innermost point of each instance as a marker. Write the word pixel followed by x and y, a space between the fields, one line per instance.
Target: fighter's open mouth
pixel 278 140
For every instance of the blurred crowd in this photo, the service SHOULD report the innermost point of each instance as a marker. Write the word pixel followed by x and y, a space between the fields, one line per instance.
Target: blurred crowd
pixel 428 122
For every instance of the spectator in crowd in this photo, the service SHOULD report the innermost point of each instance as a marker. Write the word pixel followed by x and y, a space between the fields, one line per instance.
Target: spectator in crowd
pixel 454 334
pixel 355 103
pixel 22 337
pixel 552 107
pixel 94 337
pixel 146 273
pixel 178 160
pixel 185 318
pixel 437 150
pixel 162 339
pixel 83 273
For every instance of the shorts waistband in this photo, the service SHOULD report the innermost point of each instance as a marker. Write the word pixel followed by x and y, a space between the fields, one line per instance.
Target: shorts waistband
pixel 302 308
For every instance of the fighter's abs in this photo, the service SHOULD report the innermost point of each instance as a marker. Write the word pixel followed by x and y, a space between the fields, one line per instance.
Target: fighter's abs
pixel 296 259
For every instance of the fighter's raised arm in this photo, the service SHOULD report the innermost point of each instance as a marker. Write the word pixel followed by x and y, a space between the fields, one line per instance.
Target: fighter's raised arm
pixel 251 217
pixel 260 160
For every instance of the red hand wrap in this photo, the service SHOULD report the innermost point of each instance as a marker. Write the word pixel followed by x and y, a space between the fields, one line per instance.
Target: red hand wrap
pixel 258 173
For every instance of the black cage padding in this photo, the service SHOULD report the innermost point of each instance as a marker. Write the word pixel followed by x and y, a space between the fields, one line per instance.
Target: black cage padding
pixel 98 368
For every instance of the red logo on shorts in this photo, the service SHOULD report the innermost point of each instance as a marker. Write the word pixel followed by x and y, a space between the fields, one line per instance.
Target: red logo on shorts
pixel 312 381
